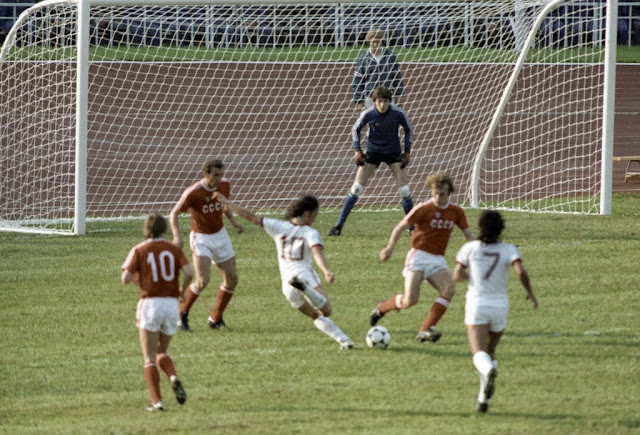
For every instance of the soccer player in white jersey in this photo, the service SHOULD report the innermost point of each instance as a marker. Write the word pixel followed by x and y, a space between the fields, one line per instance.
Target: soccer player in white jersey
pixel 485 263
pixel 297 244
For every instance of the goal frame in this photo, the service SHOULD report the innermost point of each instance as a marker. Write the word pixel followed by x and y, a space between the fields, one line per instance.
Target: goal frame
pixel 82 86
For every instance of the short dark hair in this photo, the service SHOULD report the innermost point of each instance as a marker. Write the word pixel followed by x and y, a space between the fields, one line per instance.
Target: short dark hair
pixel 491 225
pixel 154 226
pixel 300 205
pixel 381 92
pixel 212 163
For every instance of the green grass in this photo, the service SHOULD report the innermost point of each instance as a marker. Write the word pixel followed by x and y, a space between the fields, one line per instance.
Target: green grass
pixel 625 54
pixel 70 360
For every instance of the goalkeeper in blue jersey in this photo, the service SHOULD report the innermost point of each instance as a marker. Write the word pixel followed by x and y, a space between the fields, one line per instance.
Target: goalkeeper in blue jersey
pixel 383 146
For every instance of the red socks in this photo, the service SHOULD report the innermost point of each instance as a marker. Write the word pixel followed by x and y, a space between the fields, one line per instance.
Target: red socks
pixel 435 313
pixel 222 300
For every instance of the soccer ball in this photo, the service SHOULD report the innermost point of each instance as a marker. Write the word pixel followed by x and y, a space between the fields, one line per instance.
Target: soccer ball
pixel 378 337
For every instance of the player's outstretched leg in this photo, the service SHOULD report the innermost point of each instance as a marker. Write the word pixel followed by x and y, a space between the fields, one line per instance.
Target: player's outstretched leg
pixel 394 303
pixel 327 326
pixel 375 316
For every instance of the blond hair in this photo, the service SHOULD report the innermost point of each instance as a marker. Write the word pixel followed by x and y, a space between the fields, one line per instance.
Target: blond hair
pixel 438 179
pixel 374 34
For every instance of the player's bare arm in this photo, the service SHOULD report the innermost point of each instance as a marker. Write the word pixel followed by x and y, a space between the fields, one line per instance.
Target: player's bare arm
pixel 129 278
pixel 126 277
pixel 460 273
pixel 386 253
pixel 235 208
pixel 523 275
pixel 174 220
pixel 238 225
pixel 187 276
pixel 321 261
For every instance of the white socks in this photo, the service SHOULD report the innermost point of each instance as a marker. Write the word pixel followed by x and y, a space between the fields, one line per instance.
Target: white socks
pixel 327 326
pixel 483 363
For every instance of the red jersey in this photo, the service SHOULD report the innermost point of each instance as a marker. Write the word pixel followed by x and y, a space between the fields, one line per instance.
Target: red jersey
pixel 158 264
pixel 433 225
pixel 206 213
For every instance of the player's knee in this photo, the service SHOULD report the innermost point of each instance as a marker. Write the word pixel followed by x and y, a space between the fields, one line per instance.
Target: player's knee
pixel 201 282
pixel 231 282
pixel 449 291
pixel 327 310
pixel 409 301
pixel 357 189
pixel 405 191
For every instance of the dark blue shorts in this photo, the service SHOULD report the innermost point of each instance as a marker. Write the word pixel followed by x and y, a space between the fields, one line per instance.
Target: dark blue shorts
pixel 377 158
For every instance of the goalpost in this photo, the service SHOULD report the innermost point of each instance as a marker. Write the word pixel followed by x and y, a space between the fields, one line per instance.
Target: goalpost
pixel 110 107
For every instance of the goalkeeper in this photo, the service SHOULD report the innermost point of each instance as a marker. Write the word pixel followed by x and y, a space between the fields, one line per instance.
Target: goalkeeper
pixel 383 146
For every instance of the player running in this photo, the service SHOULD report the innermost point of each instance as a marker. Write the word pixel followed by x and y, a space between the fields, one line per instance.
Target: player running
pixel 154 265
pixel 297 242
pixel 434 221
pixel 209 240
pixel 485 263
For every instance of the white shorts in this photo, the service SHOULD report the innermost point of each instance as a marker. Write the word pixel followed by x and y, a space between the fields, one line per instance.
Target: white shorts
pixel 296 297
pixel 158 314
pixel 216 246
pixel 495 317
pixel 421 261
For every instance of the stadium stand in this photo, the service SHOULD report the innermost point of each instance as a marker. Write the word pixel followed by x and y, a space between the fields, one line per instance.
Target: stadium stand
pixel 305 24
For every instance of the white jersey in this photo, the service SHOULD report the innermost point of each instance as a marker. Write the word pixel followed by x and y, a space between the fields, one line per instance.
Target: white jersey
pixel 488 271
pixel 294 243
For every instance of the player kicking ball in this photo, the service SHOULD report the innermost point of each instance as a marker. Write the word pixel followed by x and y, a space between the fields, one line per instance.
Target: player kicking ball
pixel 297 243
pixel 433 222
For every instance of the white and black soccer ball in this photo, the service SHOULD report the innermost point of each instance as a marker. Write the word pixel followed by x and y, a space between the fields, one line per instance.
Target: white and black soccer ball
pixel 378 337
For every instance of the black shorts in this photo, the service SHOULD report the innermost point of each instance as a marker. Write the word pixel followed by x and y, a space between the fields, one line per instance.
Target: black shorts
pixel 377 158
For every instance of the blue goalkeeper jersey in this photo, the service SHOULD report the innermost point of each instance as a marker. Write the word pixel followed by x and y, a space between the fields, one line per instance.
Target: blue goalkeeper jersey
pixel 383 130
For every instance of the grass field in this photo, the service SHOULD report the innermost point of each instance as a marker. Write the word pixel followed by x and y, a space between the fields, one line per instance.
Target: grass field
pixel 70 360
pixel 624 54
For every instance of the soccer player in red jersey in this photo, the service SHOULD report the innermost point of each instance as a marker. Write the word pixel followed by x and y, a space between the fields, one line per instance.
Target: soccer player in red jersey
pixel 433 222
pixel 154 265
pixel 209 240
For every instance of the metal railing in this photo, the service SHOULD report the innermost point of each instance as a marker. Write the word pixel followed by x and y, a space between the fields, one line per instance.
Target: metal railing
pixel 405 24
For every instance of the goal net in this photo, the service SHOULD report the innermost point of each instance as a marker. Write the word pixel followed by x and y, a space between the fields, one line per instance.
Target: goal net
pixel 267 89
